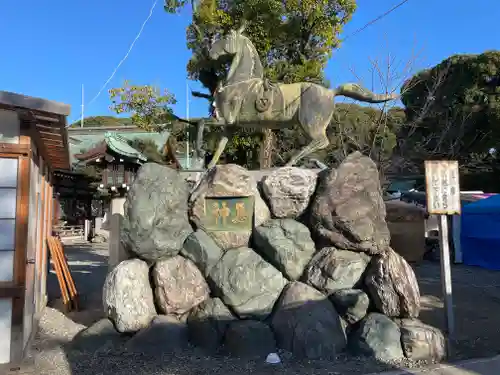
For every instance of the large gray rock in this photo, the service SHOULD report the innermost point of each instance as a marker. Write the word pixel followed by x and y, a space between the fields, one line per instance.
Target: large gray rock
pixel 348 211
pixel 306 323
pixel 421 341
pixel 164 334
pixel 287 244
pixel 288 191
pixel 378 337
pixel 208 322
pixel 156 213
pixel 247 283
pixel 331 269
pixel 229 180
pixel 101 335
pixel 128 297
pixel 351 304
pixel 179 285
pixel 249 338
pixel 393 286
pixel 202 250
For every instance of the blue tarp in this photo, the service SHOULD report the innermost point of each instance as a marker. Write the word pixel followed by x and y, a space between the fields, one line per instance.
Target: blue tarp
pixel 480 233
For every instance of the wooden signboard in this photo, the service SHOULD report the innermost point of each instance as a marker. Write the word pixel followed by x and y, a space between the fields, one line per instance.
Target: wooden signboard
pixel 229 214
pixel 442 185
pixel 443 199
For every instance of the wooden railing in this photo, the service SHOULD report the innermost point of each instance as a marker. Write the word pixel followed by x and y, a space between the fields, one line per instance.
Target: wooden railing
pixel 69 231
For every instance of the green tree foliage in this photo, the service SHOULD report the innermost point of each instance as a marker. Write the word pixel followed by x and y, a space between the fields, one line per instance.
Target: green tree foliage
pixel 453 110
pixel 150 107
pixel 367 129
pixel 148 148
pixel 294 39
pixel 96 121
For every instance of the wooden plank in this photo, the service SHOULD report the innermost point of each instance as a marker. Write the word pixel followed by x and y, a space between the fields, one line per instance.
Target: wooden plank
pixel 52 140
pixel 59 273
pixel 50 135
pixel 10 290
pixel 55 150
pixel 51 143
pixel 46 118
pixel 15 149
pixel 73 294
pixel 35 136
pixel 21 239
pixel 49 128
pixel 37 104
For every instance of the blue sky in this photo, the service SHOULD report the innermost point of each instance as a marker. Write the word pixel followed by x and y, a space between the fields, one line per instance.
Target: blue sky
pixel 50 48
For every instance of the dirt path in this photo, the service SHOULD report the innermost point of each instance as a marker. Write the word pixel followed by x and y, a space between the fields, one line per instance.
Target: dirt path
pixel 89 266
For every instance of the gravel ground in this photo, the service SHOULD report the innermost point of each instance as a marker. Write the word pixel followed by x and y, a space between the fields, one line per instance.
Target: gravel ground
pixel 476 301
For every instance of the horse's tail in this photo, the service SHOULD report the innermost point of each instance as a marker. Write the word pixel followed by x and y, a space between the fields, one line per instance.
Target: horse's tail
pixel 358 92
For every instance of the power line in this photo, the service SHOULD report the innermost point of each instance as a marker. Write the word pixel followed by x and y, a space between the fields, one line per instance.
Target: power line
pixel 126 55
pixel 375 20
pixel 128 52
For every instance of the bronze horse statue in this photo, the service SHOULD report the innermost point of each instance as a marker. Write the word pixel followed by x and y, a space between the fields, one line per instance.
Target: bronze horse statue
pixel 246 99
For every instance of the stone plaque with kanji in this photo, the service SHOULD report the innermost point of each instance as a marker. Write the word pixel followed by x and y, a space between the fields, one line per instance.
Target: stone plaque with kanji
pixel 229 214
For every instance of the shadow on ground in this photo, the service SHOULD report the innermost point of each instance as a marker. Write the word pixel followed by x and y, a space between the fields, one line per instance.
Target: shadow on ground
pixel 89 265
pixel 476 302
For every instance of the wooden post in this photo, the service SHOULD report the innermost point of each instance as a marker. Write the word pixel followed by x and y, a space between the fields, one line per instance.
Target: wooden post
pixel 443 199
pixel 446 283
pixel 86 230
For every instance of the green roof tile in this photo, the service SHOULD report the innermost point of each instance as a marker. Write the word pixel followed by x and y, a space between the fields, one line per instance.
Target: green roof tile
pixel 119 145
pixel 82 139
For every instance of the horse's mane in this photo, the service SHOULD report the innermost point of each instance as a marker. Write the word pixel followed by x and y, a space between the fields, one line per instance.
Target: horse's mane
pixel 255 56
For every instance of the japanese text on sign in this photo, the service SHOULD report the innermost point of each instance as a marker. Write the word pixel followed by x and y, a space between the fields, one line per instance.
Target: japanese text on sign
pixel 443 190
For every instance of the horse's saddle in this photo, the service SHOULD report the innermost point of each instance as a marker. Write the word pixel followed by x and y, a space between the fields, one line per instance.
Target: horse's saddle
pixel 265 96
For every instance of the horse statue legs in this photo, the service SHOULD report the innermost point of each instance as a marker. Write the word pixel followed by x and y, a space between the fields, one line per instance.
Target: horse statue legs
pixel 313 125
pixel 318 141
pixel 200 153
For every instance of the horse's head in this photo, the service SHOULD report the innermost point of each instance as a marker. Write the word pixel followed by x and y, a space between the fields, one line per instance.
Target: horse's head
pixel 229 44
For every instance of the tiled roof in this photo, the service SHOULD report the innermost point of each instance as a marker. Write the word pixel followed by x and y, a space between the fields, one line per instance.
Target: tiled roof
pixel 83 139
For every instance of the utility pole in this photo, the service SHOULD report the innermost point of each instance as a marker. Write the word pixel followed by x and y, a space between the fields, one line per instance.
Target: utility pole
pixel 83 105
pixel 188 159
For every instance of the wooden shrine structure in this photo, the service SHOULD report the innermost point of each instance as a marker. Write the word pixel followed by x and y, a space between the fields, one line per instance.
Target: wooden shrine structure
pixel 33 145
pixel 75 192
pixel 105 151
pixel 116 161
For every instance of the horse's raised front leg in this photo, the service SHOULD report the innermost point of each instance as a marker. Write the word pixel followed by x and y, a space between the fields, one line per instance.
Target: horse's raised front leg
pixel 220 149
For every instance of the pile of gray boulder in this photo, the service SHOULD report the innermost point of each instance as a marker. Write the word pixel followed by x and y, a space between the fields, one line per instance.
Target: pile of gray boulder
pixel 314 277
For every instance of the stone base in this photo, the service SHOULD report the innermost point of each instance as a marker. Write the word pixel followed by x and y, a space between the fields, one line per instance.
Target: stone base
pixel 281 288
